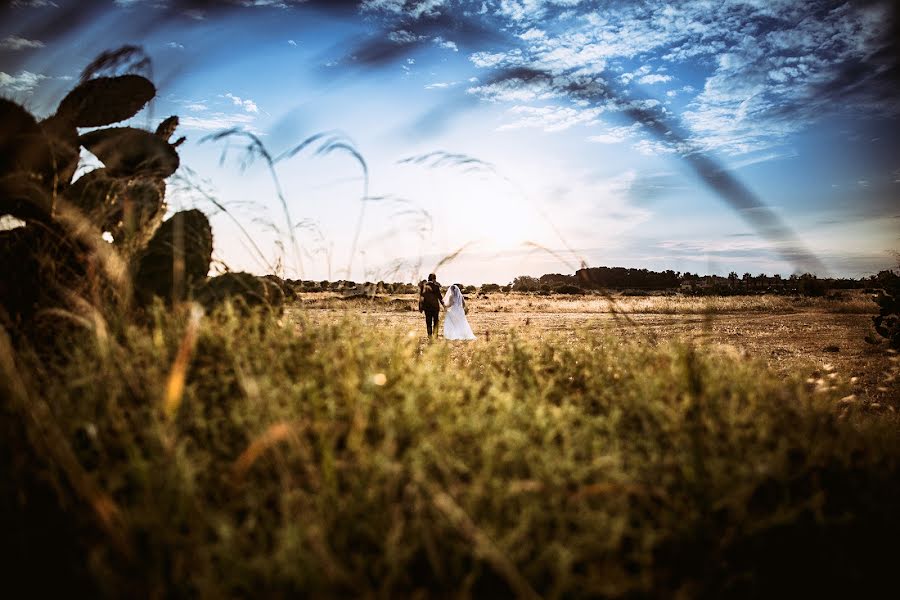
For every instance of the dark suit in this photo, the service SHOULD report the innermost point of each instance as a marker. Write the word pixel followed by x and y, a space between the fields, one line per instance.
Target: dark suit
pixel 430 301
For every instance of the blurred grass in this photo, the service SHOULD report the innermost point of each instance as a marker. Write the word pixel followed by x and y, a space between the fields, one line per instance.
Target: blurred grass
pixel 327 459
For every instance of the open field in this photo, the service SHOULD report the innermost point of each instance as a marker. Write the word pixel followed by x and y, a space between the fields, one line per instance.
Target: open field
pixel 818 337
pixel 331 451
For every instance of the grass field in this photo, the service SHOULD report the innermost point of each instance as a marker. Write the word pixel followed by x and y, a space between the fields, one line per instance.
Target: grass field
pixel 792 336
pixel 571 451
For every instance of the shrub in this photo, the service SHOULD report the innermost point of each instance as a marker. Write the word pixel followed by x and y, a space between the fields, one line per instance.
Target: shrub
pixel 568 289
pixel 887 322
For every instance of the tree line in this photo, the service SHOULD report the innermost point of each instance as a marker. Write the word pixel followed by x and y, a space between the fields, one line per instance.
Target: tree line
pixel 622 279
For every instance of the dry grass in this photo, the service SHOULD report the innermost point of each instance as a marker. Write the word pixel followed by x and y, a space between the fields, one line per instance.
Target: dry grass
pixel 325 457
pixel 852 303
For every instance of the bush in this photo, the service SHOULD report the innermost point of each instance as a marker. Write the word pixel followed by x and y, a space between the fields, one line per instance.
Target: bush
pixel 887 322
pixel 568 289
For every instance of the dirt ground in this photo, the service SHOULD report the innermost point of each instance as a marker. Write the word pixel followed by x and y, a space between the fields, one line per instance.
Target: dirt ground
pixel 820 342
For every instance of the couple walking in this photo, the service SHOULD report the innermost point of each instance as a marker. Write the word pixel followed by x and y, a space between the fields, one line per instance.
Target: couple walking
pixel 456 326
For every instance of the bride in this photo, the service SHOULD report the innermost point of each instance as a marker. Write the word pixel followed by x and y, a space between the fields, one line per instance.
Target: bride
pixel 456 326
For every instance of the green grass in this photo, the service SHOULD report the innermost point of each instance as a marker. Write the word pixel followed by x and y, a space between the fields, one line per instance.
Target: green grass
pixel 323 459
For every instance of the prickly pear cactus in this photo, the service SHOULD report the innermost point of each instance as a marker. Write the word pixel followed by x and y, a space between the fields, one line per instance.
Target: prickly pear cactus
pixel 176 258
pixel 53 257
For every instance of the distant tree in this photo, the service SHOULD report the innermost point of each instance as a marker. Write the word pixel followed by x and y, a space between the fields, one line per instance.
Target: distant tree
pixel 555 279
pixel 525 283
pixel 489 287
pixel 810 285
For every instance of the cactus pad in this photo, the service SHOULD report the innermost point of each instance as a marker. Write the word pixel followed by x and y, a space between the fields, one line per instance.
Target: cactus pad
pixel 176 257
pixel 167 128
pixel 106 100
pixel 128 152
pixel 96 194
pixel 23 198
pixel 24 149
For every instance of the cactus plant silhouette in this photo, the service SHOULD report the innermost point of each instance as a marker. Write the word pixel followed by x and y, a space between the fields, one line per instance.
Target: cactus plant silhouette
pixel 58 256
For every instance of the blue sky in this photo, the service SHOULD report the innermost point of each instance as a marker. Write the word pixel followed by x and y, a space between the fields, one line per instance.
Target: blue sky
pixel 697 136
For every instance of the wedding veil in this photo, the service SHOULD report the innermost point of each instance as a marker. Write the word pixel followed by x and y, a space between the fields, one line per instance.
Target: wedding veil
pixel 453 297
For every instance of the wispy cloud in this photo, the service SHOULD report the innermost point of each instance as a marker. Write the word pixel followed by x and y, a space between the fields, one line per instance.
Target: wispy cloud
pixel 615 135
pixel 450 45
pixel 14 43
pixel 550 118
pixel 24 82
pixel 768 69
pixel 654 78
pixel 218 121
pixel 34 4
pixel 245 103
pixel 441 85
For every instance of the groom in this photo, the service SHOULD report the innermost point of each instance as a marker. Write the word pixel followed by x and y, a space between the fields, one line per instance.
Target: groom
pixel 430 302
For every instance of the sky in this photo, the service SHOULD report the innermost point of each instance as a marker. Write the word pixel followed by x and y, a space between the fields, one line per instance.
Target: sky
pixel 533 136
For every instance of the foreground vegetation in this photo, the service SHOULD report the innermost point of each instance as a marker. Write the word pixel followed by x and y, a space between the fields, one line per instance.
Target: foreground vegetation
pixel 225 456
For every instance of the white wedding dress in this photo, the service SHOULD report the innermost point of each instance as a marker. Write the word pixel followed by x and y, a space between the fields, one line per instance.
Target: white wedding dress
pixel 456 326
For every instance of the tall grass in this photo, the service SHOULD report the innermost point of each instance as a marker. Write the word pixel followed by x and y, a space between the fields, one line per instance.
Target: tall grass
pixel 328 459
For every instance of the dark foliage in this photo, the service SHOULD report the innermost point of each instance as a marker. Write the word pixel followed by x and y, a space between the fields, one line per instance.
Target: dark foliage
pixel 243 289
pixel 176 258
pixel 887 322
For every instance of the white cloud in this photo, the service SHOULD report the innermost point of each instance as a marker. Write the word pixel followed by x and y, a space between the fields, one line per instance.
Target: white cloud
pixel 445 44
pixel 24 82
pixel 175 46
pixel 515 90
pixel 441 85
pixel 264 3
pixel 533 34
pixel 414 9
pixel 14 43
pixel 653 147
pixel 550 118
pixel 654 78
pixel 196 106
pixel 488 60
pixel 34 4
pixel 292 43
pixel 245 103
pixel 403 37
pixel 629 77
pixel 615 135
pixel 767 68
pixel 217 122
